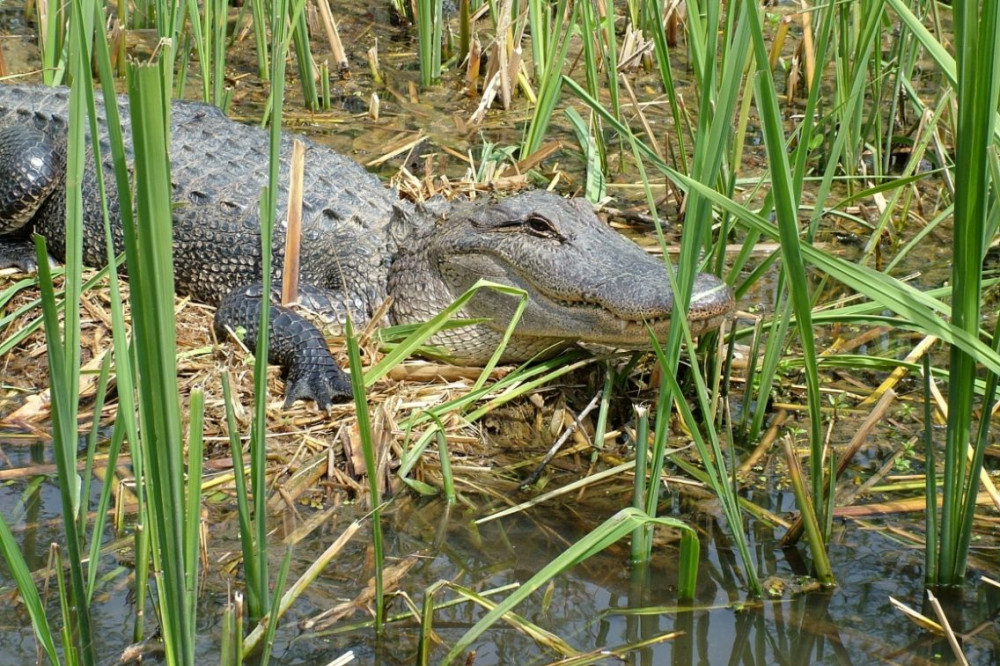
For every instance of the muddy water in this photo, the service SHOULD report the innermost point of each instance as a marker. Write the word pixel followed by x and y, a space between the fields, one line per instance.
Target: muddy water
pixel 590 605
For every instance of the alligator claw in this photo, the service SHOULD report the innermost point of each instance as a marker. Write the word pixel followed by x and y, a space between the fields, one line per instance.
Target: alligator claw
pixel 309 370
pixel 323 383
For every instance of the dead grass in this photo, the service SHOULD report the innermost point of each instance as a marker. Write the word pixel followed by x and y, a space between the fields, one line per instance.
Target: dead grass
pixel 314 455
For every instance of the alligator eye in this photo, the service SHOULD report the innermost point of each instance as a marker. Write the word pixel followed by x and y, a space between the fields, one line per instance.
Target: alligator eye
pixel 539 226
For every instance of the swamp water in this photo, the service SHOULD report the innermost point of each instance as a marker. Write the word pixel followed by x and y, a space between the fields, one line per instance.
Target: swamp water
pixel 599 604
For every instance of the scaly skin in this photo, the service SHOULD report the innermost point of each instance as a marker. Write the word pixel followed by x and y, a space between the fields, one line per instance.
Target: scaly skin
pixel 360 245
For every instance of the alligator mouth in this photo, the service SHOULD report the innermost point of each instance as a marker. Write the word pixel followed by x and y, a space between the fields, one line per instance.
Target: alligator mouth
pixel 594 322
pixel 554 311
pixel 698 310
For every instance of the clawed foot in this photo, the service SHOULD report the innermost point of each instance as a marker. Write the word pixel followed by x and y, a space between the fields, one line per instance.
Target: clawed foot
pixel 19 255
pixel 308 368
pixel 324 383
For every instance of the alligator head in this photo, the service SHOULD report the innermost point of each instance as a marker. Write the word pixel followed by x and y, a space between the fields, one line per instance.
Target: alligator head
pixel 585 282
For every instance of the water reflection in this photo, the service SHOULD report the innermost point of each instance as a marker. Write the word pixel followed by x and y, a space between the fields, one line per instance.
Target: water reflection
pixel 601 603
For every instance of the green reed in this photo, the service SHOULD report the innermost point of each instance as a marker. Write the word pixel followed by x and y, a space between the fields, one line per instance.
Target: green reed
pixel 148 248
pixel 126 423
pixel 153 331
pixel 550 80
pixel 977 44
pixel 720 83
pixel 284 15
pixel 369 450
pixel 429 24
pixel 592 143
pixel 63 346
pixel 260 22
pixel 786 192
pixel 169 537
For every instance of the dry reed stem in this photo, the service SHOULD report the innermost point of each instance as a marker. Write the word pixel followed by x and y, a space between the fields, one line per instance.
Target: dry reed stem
pixel 333 36
pixel 808 46
pixel 404 142
pixel 293 229
pixel 946 627
pixel 908 505
pixel 860 438
pixel 765 442
pixel 647 128
pixel 392 576
pixel 917 617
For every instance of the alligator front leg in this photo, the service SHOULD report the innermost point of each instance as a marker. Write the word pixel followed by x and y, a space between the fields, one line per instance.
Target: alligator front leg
pixel 32 168
pixel 17 253
pixel 295 344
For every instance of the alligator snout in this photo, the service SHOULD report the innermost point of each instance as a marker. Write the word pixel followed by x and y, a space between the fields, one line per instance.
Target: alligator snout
pixel 647 296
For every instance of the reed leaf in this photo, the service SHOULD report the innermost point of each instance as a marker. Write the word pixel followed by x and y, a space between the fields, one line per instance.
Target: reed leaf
pixel 550 83
pixel 371 465
pixel 424 332
pixel 429 20
pixel 785 198
pixel 977 39
pixel 148 248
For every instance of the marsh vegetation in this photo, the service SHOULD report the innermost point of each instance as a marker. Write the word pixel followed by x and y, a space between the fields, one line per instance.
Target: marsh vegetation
pixel 759 494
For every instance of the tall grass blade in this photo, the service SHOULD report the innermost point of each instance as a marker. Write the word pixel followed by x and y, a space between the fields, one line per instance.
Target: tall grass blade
pixel 640 549
pixel 371 465
pixel 807 511
pixel 260 38
pixel 977 40
pixel 719 476
pixel 149 253
pixel 424 331
pixel 64 440
pixel 930 492
pixel 63 347
pixel 429 21
pixel 126 425
pixel 258 598
pixel 303 55
pixel 53 21
pixel 272 626
pixel 918 311
pixel 595 187
pixel 253 532
pixel 244 512
pixel 785 198
pixel 550 83
pixel 662 51
pixel 192 509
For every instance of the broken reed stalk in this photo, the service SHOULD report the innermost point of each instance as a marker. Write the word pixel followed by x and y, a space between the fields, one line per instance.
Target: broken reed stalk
pixel 333 36
pixel 300 586
pixel 875 417
pixel 473 66
pixel 821 562
pixel 374 67
pixel 766 441
pixel 293 231
pixel 949 634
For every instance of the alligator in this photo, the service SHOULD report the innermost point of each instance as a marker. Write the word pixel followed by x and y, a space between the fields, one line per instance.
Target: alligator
pixel 361 245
